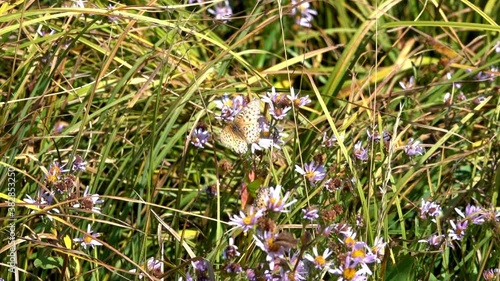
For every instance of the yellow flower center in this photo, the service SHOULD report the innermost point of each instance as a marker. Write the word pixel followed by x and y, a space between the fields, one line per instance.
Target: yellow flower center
pixel 55 170
pixel 349 273
pixel 358 254
pixel 310 175
pixel 54 173
pixel 273 201
pixel 52 178
pixel 247 220
pixel 320 260
pixel 87 239
pixel 350 241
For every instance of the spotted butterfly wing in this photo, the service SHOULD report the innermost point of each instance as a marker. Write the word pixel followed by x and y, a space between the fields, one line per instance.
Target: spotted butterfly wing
pixel 244 129
pixel 261 198
pixel 233 138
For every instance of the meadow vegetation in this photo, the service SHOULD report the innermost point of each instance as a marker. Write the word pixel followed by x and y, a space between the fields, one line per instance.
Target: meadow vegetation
pixel 249 140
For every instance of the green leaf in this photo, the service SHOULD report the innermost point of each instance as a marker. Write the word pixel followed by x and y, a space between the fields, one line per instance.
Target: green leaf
pixel 254 186
pixel 403 269
pixel 49 262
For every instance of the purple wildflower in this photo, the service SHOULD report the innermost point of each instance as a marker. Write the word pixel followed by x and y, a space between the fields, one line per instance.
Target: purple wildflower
pixel 473 214
pixel 279 106
pixel 267 243
pixel 222 12
pixel 429 208
pixel 274 201
pixel 312 172
pixel 347 271
pixel 310 213
pixel 320 261
pixel 78 164
pixel 88 239
pixel 434 240
pixel 491 274
pixel 231 251
pixel 360 152
pixel 89 201
pixel 328 141
pixel 408 85
pixel 298 102
pixel 413 148
pixel 199 137
pixel 303 13
pixel 362 254
pixel 458 230
pixel 246 221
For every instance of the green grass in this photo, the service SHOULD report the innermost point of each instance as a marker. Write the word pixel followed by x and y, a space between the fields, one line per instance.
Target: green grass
pixel 126 87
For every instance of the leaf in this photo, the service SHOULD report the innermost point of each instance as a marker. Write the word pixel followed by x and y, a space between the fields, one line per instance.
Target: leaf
pixel 403 270
pixel 254 186
pixel 49 262
pixel 441 48
pixel 68 243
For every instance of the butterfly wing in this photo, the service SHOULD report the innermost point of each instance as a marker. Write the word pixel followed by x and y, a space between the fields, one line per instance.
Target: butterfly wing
pixel 262 197
pixel 233 138
pixel 244 129
pixel 248 121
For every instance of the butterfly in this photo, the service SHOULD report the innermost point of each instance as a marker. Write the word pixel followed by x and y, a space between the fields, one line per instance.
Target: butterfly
pixel 261 198
pixel 244 129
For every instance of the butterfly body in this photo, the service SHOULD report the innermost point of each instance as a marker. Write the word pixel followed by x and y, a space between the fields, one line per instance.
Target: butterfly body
pixel 244 129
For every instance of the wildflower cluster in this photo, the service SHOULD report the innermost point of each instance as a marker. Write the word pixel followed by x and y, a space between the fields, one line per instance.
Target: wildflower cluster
pixel 457 227
pixel 362 153
pixel 229 107
pixel 394 119
pixel 301 11
pixel 279 105
pixel 357 255
pixel 288 258
pixel 463 88
pixel 61 184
